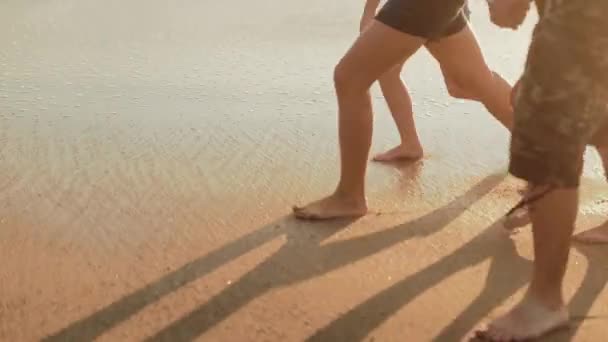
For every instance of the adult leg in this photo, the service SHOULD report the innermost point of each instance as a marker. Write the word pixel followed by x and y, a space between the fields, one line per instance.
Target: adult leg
pixel 552 128
pixel 542 308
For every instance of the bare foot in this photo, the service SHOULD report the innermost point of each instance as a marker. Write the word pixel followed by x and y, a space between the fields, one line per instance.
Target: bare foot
pixel 518 219
pixel 597 235
pixel 527 321
pixel 332 207
pixel 401 152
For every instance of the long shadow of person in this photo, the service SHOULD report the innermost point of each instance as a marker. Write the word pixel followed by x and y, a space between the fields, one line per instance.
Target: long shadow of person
pixel 301 258
pixel 507 270
pixel 91 327
pixel 596 278
pixel 508 273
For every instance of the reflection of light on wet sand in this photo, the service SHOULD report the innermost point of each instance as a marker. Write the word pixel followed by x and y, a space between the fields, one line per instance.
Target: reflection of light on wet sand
pixel 150 154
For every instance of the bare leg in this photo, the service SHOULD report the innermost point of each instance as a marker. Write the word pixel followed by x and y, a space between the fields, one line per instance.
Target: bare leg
pixel 597 235
pixel 456 91
pixel 376 50
pixel 521 215
pixel 542 309
pixel 400 104
pixel 468 76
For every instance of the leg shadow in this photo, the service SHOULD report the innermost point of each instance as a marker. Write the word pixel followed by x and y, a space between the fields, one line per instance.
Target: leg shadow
pixel 508 273
pixel 356 324
pixel 303 258
pixel 96 324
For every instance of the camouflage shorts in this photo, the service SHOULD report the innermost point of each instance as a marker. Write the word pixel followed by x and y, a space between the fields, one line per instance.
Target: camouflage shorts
pixel 562 103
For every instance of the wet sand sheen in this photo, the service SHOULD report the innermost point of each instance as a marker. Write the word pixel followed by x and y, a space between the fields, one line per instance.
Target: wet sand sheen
pixel 149 165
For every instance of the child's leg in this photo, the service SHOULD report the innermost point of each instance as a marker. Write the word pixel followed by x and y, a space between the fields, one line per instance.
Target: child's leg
pixel 455 90
pixel 462 62
pixel 400 104
pixel 377 49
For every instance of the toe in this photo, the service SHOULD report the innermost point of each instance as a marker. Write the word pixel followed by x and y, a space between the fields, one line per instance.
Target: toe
pixel 301 213
pixel 495 333
pixel 380 157
pixel 481 335
pixel 518 219
pixel 307 214
pixel 297 210
pixel 488 333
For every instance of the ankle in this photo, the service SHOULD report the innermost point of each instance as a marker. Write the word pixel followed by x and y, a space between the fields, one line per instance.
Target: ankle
pixel 356 197
pixel 410 143
pixel 552 300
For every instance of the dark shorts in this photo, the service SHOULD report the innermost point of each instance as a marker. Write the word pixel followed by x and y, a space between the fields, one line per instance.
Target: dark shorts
pixel 430 19
pixel 562 105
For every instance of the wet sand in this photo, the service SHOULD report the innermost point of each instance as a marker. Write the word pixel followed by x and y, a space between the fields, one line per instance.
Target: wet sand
pixel 151 151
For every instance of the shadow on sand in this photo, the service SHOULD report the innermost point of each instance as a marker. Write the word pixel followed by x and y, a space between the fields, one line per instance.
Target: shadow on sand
pixel 304 257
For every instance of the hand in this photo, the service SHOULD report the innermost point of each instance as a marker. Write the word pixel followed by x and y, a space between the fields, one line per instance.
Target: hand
pixel 508 13
pixel 366 20
pixel 515 92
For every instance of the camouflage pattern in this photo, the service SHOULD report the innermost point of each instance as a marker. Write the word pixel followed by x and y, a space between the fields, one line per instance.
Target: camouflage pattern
pixel 562 102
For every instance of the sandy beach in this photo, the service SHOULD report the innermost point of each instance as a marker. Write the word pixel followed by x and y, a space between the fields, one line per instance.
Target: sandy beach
pixel 151 152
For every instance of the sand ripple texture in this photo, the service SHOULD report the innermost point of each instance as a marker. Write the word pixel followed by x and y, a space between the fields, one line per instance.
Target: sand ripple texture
pixel 150 152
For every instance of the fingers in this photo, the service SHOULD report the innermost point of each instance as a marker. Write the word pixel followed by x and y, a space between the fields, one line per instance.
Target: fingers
pixel 508 13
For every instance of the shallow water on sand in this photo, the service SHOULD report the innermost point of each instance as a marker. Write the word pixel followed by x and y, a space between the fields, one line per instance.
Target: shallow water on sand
pixel 151 151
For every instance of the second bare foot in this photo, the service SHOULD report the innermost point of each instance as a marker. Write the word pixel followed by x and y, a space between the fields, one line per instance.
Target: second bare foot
pixel 527 321
pixel 332 207
pixel 518 219
pixel 401 152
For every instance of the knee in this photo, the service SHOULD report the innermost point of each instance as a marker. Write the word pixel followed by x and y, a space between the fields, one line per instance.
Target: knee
pixel 341 78
pixel 465 89
pixel 470 87
pixel 392 75
pixel 535 193
pixel 602 149
pixel 347 82
pixel 455 90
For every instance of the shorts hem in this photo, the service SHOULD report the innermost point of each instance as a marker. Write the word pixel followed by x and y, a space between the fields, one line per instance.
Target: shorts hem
pixel 534 173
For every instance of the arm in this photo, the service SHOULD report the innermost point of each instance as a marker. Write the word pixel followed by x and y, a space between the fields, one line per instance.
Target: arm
pixel 369 12
pixel 508 13
pixel 371 6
